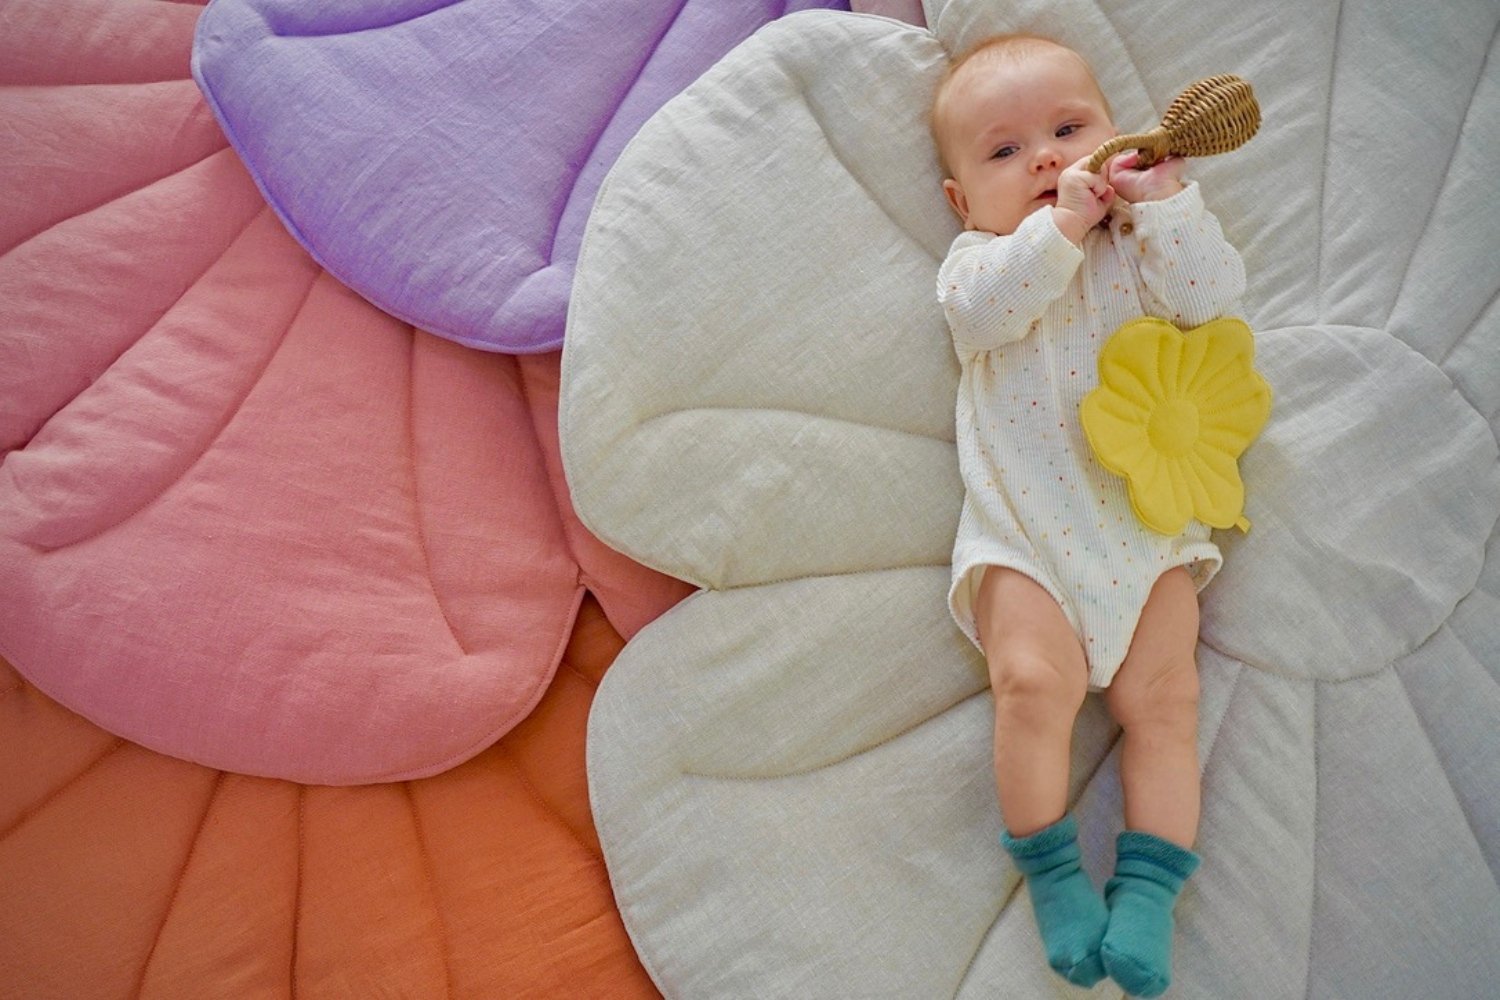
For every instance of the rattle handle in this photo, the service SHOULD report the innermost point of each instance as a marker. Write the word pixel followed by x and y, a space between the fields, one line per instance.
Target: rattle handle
pixel 1153 146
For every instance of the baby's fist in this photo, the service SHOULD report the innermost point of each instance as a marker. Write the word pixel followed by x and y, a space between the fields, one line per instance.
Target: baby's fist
pixel 1082 199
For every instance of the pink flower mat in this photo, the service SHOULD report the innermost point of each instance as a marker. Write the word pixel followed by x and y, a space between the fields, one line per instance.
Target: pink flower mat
pixel 247 519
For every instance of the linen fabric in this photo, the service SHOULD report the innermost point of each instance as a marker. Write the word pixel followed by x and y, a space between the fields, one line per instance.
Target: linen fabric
pixel 440 157
pixel 124 872
pixel 246 519
pixel 791 771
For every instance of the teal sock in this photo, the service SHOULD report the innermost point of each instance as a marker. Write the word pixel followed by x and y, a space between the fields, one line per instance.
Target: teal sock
pixel 1149 873
pixel 1069 912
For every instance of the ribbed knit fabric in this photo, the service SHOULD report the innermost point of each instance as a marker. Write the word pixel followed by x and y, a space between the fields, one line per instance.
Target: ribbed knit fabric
pixel 1029 313
pixel 1069 912
pixel 1149 874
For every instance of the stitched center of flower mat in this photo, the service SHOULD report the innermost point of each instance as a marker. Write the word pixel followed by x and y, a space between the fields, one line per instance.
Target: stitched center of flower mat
pixel 1173 427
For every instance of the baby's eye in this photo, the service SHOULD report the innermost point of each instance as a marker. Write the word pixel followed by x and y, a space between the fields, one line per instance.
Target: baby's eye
pixel 1067 130
pixel 1003 152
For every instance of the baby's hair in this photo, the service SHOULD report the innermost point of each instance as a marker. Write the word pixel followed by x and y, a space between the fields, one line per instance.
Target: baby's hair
pixel 1012 45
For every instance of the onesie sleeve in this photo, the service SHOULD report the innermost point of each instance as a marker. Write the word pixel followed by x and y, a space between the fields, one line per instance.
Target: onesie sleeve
pixel 991 288
pixel 1189 271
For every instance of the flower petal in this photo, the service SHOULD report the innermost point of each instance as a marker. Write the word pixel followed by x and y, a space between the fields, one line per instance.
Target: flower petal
pixel 1140 359
pixel 1229 351
pixel 1198 354
pixel 1170 346
pixel 1224 440
pixel 1116 429
pixel 1241 411
pixel 1128 379
pixel 1219 499
pixel 1137 457
pixel 1160 498
pixel 1182 489
pixel 1219 373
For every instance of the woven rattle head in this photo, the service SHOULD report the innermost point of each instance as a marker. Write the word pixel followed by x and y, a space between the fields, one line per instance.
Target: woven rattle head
pixel 1211 116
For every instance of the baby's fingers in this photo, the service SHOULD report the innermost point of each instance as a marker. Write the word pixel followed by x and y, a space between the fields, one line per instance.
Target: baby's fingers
pixel 1172 166
pixel 1121 163
pixel 1079 173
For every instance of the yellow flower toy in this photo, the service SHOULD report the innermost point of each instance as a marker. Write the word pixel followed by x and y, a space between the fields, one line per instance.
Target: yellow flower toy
pixel 1172 415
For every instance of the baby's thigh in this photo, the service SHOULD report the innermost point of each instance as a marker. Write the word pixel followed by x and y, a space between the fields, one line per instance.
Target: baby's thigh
pixel 1161 667
pixel 1022 627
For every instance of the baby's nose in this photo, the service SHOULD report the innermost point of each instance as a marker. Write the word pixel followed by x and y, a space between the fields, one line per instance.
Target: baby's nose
pixel 1046 158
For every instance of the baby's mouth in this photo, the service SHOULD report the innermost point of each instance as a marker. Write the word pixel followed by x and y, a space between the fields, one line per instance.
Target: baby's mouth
pixel 1048 195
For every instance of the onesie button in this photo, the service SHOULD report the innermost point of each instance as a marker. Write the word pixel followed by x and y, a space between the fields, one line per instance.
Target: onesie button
pixel 1126 228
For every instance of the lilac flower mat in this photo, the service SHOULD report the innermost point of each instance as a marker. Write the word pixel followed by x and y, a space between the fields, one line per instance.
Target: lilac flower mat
pixel 441 158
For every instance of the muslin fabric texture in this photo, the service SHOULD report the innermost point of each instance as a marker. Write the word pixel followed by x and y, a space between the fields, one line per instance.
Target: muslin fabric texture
pixel 791 771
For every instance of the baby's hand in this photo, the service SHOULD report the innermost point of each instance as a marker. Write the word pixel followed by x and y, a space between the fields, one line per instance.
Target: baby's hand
pixel 1082 199
pixel 1155 183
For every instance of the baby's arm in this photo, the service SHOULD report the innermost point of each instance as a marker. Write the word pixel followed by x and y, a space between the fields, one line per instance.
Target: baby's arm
pixel 991 290
pixel 1190 272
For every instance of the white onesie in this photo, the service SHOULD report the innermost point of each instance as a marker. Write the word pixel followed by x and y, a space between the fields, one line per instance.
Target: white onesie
pixel 1029 314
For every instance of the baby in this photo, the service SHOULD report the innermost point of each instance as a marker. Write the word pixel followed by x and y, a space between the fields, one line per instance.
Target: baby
pixel 1054 578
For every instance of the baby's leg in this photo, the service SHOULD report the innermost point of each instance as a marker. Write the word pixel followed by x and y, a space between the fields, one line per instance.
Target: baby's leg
pixel 1039 676
pixel 1154 697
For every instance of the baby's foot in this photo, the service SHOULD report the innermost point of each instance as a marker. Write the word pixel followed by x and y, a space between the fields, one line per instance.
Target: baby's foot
pixel 1069 913
pixel 1137 949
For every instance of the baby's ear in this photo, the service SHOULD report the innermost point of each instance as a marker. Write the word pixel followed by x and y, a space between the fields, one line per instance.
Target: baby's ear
pixel 957 200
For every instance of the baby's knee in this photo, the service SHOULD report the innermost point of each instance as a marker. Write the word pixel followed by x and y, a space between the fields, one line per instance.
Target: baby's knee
pixel 1166 695
pixel 1026 683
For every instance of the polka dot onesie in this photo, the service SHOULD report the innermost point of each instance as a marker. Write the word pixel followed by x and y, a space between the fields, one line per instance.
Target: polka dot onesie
pixel 1029 313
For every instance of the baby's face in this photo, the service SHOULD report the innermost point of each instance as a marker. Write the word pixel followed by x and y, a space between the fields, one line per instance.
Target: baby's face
pixel 1011 123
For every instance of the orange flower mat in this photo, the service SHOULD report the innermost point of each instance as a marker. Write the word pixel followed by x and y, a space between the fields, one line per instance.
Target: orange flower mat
pixel 125 873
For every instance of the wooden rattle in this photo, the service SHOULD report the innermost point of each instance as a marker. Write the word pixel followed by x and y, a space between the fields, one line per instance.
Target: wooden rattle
pixel 1211 116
